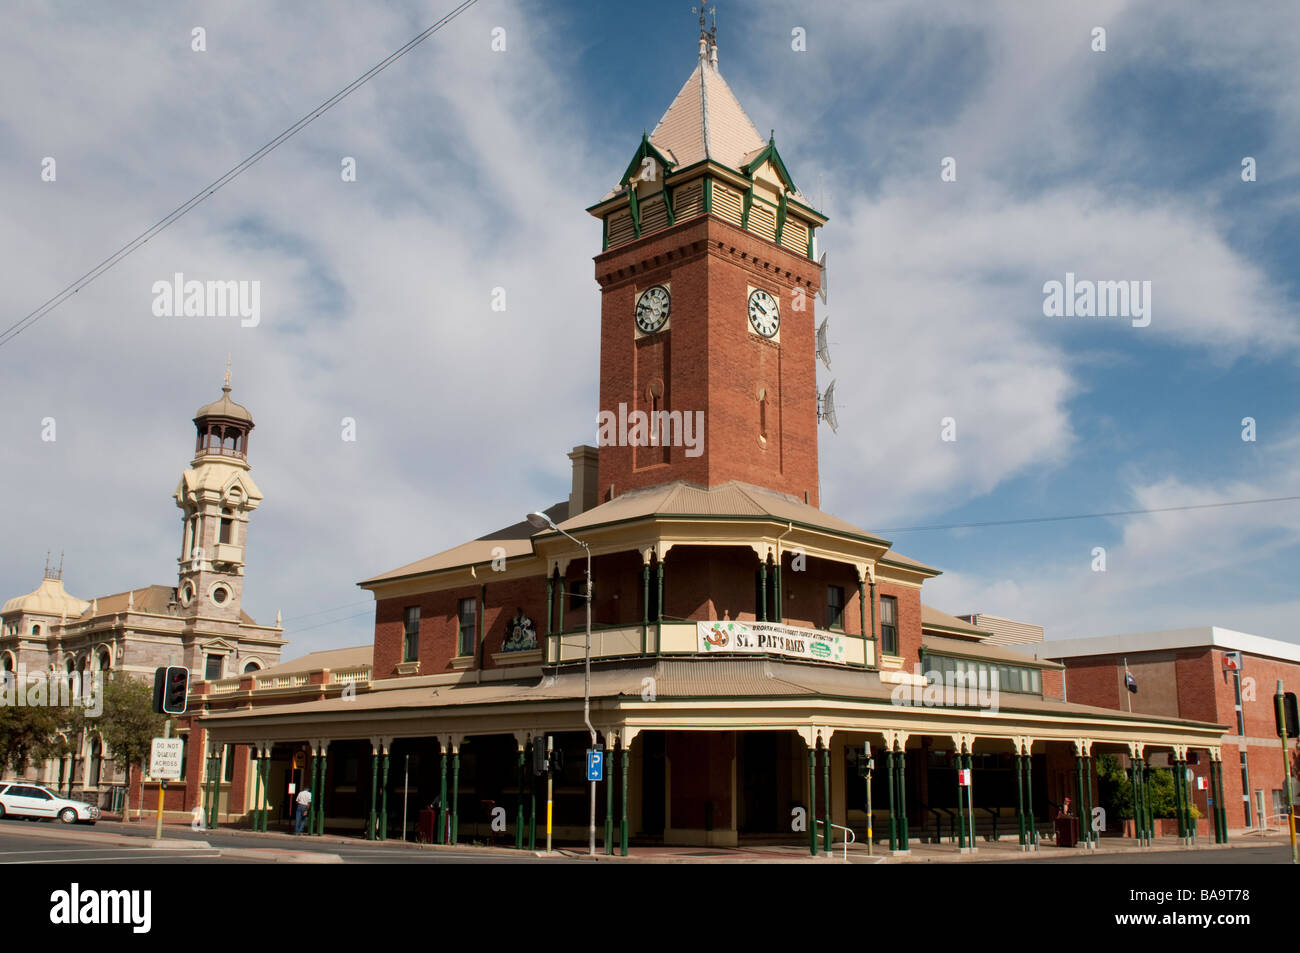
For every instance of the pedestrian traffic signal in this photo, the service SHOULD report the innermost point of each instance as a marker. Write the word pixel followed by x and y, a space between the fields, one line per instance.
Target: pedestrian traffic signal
pixel 1290 712
pixel 539 757
pixel 171 687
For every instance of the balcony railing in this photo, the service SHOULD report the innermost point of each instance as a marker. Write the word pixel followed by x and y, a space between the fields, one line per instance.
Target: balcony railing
pixel 682 638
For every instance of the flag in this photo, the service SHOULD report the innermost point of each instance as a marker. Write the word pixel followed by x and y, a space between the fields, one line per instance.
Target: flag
pixel 1130 682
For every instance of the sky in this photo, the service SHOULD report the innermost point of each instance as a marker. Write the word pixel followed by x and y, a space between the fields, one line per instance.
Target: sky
pixel 473 169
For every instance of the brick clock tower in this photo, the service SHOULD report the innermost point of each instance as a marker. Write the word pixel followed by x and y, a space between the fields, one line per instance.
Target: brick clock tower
pixel 708 281
pixel 216 495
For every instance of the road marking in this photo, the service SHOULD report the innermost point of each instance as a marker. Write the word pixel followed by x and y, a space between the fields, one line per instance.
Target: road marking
pixel 97 858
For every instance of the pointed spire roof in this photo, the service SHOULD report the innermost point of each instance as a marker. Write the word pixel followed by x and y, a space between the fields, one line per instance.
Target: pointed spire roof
pixel 705 120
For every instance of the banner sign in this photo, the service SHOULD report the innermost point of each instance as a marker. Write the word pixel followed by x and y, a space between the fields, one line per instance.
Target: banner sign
pixel 770 638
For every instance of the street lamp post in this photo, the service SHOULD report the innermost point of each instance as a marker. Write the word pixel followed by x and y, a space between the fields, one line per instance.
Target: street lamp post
pixel 542 521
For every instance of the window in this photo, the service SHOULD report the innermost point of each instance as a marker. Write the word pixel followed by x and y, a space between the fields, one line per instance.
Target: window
pixel 468 612
pixel 220 594
pixel 252 667
pixel 888 625
pixel 212 670
pixel 411 634
pixel 835 607
pixel 228 755
pixel 227 526
pixel 96 761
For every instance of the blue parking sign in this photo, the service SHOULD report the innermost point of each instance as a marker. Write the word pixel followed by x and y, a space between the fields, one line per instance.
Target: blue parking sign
pixel 595 765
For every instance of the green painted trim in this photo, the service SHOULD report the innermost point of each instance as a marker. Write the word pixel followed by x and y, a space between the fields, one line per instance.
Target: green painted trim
pixel 604 233
pixel 826 799
pixel 893 790
pixel 769 152
pixel 624 756
pixel 660 599
pixel 550 602
pixel 812 801
pixel 645 604
pixel 668 205
pixel 762 590
pixel 780 218
pixel 383 796
pixel 780 604
pixel 374 793
pixel 646 148
pixel 519 814
pixel 442 797
pixel 455 796
pixel 635 208
pixel 532 799
pixel 747 204
pixel 708 196
pixel 609 803
pixel 811 244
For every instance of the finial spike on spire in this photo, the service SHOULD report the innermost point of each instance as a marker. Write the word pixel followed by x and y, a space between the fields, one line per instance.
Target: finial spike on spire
pixel 226 385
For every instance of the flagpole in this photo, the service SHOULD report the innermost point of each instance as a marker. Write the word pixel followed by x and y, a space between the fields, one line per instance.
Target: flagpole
pixel 1127 693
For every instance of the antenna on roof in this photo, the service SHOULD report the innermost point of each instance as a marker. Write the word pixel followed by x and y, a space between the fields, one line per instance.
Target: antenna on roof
pixel 821 281
pixel 826 408
pixel 823 347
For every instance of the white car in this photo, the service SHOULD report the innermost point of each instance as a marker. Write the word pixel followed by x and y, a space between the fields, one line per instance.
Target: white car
pixel 24 799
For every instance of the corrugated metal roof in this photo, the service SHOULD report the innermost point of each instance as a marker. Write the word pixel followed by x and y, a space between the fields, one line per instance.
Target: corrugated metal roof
pixel 983 650
pixel 674 678
pixel 931 616
pixel 329 658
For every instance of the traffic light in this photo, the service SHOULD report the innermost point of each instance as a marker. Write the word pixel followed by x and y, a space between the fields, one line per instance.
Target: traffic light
pixel 1290 712
pixel 539 756
pixel 171 687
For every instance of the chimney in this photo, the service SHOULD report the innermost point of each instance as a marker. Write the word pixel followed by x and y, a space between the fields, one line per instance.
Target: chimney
pixel 583 495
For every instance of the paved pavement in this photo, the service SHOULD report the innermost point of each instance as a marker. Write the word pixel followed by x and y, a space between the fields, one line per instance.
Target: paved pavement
pixel 118 842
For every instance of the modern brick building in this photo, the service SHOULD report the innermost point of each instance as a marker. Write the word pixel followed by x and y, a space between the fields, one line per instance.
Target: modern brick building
pixel 747 645
pixel 1202 674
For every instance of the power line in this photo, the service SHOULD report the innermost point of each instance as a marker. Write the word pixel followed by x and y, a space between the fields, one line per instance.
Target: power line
pixel 213 187
pixel 1088 516
pixel 318 625
pixel 350 605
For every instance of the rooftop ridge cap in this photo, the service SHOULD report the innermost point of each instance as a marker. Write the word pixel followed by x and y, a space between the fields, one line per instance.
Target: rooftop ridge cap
pixel 704 111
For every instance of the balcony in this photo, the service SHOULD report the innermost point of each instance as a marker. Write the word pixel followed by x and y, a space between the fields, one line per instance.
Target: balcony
pixel 228 553
pixel 688 638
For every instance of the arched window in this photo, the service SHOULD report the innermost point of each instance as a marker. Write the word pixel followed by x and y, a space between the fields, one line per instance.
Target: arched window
pixel 96 762
pixel 252 667
pixel 104 661
pixel 36 630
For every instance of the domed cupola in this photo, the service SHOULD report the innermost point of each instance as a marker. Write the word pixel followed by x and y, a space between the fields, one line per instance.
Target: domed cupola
pixel 222 427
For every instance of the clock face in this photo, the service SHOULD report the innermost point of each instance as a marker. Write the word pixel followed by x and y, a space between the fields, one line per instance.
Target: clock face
pixel 764 313
pixel 652 309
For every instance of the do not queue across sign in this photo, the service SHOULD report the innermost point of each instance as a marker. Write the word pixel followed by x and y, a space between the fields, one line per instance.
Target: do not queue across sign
pixel 165 759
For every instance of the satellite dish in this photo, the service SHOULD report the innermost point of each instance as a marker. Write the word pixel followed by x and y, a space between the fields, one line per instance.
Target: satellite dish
pixel 823 348
pixel 826 407
pixel 821 290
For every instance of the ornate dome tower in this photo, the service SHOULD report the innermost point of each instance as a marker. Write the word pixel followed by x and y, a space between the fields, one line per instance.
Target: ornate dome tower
pixel 216 494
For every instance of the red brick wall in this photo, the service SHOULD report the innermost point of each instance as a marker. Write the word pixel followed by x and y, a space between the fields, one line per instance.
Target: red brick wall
pixel 440 622
pixel 1053 682
pixel 709 360
pixel 909 619
pixel 1192 684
